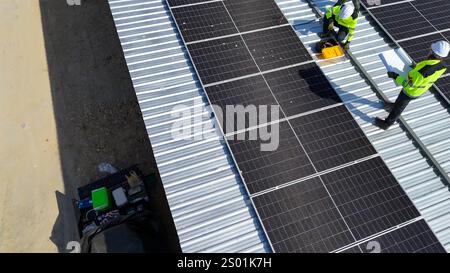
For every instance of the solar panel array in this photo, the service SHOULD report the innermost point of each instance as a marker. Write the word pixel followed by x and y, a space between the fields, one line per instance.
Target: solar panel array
pixel 415 25
pixel 323 188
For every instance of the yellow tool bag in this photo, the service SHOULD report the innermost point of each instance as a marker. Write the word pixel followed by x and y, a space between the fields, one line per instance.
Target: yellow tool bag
pixel 329 49
pixel 332 52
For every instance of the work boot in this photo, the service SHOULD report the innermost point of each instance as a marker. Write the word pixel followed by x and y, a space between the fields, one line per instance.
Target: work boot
pixel 388 106
pixel 381 123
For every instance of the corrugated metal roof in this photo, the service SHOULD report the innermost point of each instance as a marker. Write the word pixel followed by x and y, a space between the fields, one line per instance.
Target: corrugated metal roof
pixel 209 204
pixel 427 116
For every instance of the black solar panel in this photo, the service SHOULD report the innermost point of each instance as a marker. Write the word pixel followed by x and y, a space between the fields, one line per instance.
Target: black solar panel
pixel 222 59
pixel 332 138
pixel 420 48
pixel 446 34
pixel 248 92
pixel 435 11
pixel 444 85
pixel 204 21
pixel 302 218
pixel 301 89
pixel 413 238
pixel 174 3
pixel 369 197
pixel 402 21
pixel 266 169
pixel 255 14
pixel 329 212
pixel 275 48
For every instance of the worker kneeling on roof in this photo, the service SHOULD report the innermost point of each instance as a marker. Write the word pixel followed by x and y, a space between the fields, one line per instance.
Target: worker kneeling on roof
pixel 419 80
pixel 345 17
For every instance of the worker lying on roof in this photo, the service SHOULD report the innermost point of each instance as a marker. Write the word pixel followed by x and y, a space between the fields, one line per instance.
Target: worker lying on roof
pixel 345 17
pixel 419 80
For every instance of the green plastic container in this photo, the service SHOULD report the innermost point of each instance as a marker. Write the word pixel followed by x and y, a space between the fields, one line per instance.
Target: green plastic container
pixel 101 199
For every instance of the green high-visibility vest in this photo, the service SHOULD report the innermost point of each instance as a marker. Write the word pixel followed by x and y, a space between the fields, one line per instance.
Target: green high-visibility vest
pixel 349 22
pixel 416 84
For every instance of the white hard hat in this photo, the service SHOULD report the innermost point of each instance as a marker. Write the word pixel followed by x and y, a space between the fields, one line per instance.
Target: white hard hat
pixel 346 11
pixel 441 48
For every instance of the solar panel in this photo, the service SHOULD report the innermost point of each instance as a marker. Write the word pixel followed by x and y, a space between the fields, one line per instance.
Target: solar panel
pixel 275 48
pixel 205 21
pixel 302 218
pixel 402 21
pixel 435 11
pixel 174 3
pixel 369 197
pixel 446 34
pixel 332 137
pixel 301 89
pixel 255 14
pixel 222 59
pixel 413 238
pixel 266 169
pixel 248 92
pixel 444 85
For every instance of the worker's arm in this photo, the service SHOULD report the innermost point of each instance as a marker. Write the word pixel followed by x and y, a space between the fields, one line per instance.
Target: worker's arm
pixel 412 82
pixel 419 73
pixel 329 13
pixel 429 70
pixel 357 7
pixel 400 80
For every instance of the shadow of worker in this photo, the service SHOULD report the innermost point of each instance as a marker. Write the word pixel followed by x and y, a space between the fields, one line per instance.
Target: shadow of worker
pixel 326 91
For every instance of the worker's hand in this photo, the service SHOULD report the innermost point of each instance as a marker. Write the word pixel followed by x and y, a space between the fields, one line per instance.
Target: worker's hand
pixel 355 15
pixel 347 46
pixel 331 26
pixel 392 75
pixel 413 64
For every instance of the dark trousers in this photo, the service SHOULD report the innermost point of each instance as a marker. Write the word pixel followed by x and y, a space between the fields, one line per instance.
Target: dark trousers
pixel 400 104
pixel 342 33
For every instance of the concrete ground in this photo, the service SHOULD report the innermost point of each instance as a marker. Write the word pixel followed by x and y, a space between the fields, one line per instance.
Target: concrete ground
pixel 67 105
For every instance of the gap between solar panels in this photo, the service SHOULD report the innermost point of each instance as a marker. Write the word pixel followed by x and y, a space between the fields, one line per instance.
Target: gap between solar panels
pixel 335 207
